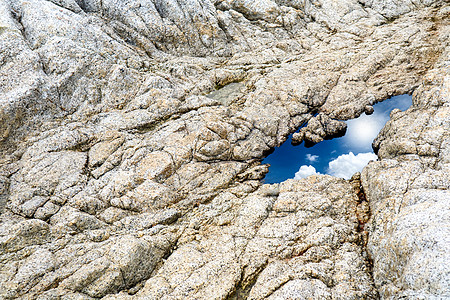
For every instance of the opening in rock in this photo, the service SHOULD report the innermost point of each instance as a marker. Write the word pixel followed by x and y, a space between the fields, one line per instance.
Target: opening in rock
pixel 340 157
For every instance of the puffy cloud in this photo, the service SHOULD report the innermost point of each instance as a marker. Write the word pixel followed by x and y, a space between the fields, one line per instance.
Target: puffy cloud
pixel 305 171
pixel 348 164
pixel 312 158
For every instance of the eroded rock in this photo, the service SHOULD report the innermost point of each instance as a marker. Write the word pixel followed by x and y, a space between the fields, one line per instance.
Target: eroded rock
pixel 131 136
pixel 408 195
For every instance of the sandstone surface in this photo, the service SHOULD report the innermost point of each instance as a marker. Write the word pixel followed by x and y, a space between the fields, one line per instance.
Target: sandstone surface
pixel 131 136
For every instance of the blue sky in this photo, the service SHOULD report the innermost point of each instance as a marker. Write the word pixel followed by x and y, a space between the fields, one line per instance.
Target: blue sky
pixel 340 157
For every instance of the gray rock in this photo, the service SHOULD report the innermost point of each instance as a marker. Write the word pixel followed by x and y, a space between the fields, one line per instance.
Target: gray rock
pixel 319 128
pixel 408 196
pixel 131 135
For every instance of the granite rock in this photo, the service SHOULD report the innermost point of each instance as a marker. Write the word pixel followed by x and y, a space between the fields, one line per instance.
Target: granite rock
pixel 132 134
pixel 408 195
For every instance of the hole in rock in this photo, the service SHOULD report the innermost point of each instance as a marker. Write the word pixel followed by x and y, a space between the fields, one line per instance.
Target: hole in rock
pixel 340 157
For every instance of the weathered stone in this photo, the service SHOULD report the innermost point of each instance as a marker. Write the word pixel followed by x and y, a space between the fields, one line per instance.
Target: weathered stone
pixel 319 128
pixel 408 196
pixel 101 151
pixel 156 165
pixel 23 234
pixel 131 135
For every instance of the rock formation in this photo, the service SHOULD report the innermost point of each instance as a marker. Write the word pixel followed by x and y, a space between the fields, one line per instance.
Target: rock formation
pixel 131 136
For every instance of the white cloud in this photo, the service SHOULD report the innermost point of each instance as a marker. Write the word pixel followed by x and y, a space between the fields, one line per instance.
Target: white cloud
pixel 348 164
pixel 312 158
pixel 305 171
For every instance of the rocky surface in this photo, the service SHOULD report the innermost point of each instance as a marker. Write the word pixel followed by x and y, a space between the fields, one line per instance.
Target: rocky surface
pixel 132 134
pixel 408 192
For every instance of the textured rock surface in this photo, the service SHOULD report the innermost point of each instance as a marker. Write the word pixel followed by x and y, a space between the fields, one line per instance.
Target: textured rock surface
pixel 408 191
pixel 131 135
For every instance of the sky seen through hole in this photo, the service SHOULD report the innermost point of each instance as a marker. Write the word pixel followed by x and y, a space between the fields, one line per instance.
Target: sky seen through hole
pixel 340 157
